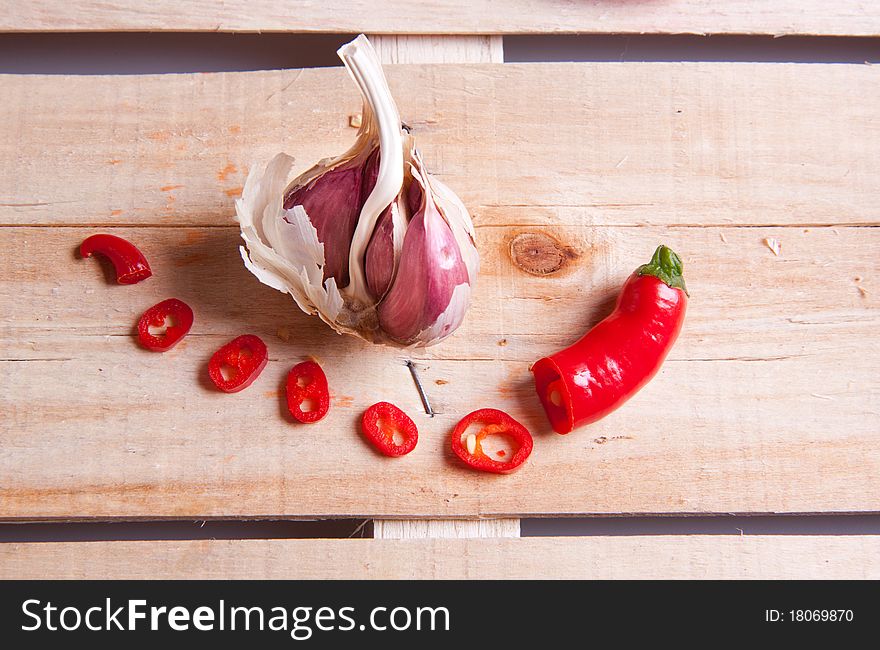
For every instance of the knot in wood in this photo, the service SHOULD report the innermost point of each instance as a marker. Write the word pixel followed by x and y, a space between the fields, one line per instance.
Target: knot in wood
pixel 538 253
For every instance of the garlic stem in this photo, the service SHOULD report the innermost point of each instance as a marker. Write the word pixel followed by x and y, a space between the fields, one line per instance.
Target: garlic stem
pixel 364 67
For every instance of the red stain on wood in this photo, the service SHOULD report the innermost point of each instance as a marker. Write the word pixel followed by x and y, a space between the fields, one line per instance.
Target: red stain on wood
pixel 186 260
pixel 234 192
pixel 114 161
pixel 194 237
pixel 505 390
pixel 224 173
pixel 511 386
pixel 115 213
pixel 168 188
pixel 270 393
pixel 159 136
pixel 235 128
pixel 343 400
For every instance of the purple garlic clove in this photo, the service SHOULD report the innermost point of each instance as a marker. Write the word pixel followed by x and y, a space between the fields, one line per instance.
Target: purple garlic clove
pixel 380 259
pixel 430 269
pixel 332 203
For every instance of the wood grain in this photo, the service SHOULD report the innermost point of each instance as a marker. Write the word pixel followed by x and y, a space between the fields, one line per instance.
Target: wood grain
pixel 594 558
pixel 768 403
pixel 589 144
pixel 842 17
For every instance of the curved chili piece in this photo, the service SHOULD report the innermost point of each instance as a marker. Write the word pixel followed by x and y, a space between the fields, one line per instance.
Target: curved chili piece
pixel 172 314
pixel 307 385
pixel 468 445
pixel 237 364
pixel 611 362
pixel 130 264
pixel 382 421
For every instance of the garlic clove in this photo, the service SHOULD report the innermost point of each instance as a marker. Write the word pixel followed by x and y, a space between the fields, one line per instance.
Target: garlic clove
pixel 460 221
pixel 383 250
pixel 430 293
pixel 332 204
pixel 370 175
pixel 381 258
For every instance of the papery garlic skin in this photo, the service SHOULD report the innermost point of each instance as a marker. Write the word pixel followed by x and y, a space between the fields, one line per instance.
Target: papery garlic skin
pixel 368 241
pixel 282 247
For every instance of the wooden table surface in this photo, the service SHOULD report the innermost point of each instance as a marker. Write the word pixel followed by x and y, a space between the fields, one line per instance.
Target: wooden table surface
pixel 768 403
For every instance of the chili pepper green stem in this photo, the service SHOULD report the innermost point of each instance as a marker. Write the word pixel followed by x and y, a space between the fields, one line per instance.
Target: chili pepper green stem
pixel 666 266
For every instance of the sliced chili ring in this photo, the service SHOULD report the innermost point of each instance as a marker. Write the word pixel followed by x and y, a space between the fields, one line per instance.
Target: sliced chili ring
pixel 468 443
pixel 173 317
pixel 237 364
pixel 129 263
pixel 383 422
pixel 308 397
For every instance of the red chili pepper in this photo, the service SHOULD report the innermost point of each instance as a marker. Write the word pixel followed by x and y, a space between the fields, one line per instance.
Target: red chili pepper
pixel 237 364
pixel 380 424
pixel 611 362
pixel 172 314
pixel 307 387
pixel 130 264
pixel 470 444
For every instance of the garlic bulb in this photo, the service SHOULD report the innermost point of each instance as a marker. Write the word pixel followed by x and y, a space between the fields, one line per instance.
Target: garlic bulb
pixel 368 241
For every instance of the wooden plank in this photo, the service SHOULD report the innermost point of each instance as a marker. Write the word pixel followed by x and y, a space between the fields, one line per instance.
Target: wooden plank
pixel 843 17
pixel 596 558
pixel 768 403
pixel 589 144
pixel 745 303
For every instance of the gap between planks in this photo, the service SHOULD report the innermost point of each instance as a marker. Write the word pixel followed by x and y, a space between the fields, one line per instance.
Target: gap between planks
pixel 441 49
